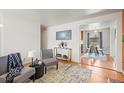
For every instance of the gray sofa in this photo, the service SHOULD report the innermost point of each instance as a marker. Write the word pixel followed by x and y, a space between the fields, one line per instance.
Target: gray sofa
pixel 25 74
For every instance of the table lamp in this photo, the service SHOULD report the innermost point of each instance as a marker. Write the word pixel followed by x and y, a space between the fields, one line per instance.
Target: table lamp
pixel 31 54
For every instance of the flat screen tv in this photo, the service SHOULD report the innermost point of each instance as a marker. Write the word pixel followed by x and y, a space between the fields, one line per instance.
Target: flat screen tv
pixel 64 35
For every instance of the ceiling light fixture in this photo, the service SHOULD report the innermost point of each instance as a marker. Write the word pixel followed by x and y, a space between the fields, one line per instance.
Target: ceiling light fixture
pixel 95 31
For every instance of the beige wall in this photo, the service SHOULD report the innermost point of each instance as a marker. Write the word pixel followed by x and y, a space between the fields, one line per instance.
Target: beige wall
pixel 43 39
pixel 20 35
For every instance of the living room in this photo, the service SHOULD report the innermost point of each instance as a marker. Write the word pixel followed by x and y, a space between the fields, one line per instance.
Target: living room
pixel 109 20
pixel 30 31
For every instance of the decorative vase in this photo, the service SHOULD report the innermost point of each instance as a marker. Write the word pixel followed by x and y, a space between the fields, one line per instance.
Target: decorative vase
pixel 62 44
pixel 65 44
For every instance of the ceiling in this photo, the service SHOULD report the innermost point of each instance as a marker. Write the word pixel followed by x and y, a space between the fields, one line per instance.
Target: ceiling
pixel 51 17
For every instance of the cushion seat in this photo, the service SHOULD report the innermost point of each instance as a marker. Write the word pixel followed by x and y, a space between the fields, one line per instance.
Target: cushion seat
pixel 25 74
pixel 50 61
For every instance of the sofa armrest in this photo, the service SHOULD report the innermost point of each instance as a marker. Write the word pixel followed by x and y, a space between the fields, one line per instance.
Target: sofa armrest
pixel 3 78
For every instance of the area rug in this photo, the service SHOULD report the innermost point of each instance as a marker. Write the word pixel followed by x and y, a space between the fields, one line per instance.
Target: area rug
pixel 66 74
pixel 96 57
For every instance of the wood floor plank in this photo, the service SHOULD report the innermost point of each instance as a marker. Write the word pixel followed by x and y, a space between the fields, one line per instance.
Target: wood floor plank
pixel 100 75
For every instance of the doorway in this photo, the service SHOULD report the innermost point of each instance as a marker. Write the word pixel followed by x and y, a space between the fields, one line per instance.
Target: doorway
pixel 43 37
pixel 96 41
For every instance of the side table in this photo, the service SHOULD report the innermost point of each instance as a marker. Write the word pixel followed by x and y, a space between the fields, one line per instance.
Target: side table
pixel 39 70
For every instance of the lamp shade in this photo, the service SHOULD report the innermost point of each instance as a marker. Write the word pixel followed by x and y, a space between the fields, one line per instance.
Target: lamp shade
pixel 82 42
pixel 31 54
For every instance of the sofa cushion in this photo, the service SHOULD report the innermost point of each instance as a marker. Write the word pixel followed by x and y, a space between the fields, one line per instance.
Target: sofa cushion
pixel 3 64
pixel 25 74
pixel 50 61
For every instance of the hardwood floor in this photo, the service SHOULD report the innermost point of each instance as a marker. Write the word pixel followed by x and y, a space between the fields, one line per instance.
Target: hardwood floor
pixel 100 75
pixel 108 62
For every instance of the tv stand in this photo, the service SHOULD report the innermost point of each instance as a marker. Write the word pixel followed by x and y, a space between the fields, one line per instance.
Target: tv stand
pixel 63 53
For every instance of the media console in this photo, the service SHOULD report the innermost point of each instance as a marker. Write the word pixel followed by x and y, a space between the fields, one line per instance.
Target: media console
pixel 63 53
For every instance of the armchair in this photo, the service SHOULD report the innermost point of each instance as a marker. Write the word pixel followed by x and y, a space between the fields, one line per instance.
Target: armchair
pixel 48 59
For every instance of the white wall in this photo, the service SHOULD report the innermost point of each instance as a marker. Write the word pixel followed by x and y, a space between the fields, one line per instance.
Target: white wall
pixel 1 28
pixel 20 35
pixel 74 43
pixel 106 40
pixel 112 39
pixel 118 43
